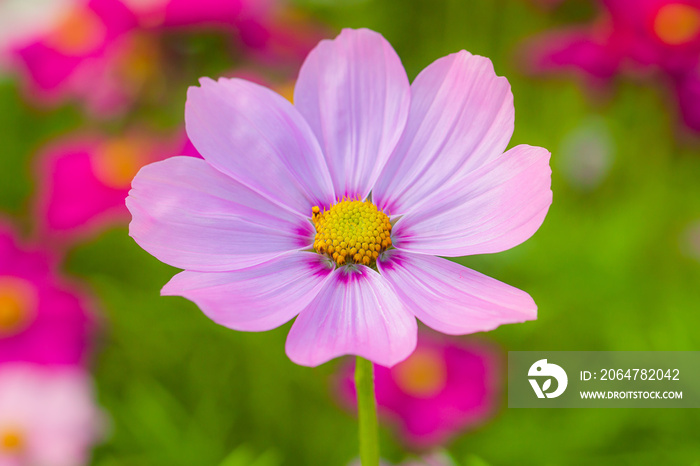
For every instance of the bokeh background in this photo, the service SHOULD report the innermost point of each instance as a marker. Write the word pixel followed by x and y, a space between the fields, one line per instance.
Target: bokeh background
pixel 615 266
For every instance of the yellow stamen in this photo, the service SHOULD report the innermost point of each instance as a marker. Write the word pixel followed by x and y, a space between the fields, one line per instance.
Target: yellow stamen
pixel 17 305
pixel 422 375
pixel 117 161
pixel 351 231
pixel 11 441
pixel 677 23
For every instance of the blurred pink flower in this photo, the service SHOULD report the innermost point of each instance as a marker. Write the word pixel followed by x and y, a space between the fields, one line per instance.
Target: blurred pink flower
pixel 246 17
pixel 48 416
pixel 631 37
pixel 443 388
pixel 241 221
pixel 43 319
pixel 290 36
pixel 106 52
pixel 270 30
pixel 86 39
pixel 25 21
pixel 84 180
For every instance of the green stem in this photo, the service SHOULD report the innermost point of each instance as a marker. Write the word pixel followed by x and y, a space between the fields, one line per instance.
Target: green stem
pixel 367 412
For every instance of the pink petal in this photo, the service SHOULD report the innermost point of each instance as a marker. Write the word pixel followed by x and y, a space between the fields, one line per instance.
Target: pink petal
pixel 258 138
pixel 257 298
pixel 356 313
pixel 451 298
pixel 461 117
pixel 355 94
pixel 191 216
pixel 490 210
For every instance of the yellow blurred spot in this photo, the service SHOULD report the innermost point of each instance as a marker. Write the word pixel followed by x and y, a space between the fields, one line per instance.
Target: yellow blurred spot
pixel 286 90
pixel 80 31
pixel 351 231
pixel 17 305
pixel 11 441
pixel 422 375
pixel 139 64
pixel 116 162
pixel 677 23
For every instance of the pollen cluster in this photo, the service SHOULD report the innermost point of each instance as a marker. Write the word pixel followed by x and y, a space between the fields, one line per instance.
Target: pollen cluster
pixel 351 231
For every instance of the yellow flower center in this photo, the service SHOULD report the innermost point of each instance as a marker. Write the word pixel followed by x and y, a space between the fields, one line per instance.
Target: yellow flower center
pixel 351 231
pixel 80 31
pixel 117 161
pixel 676 23
pixel 422 375
pixel 17 305
pixel 11 441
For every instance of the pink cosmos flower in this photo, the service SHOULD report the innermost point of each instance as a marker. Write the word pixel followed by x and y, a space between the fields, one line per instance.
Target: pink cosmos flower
pixel 333 209
pixel 444 387
pixel 85 179
pixel 48 416
pixel 43 319
pixel 631 37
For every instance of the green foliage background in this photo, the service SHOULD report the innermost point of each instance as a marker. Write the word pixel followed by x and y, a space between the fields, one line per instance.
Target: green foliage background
pixel 607 270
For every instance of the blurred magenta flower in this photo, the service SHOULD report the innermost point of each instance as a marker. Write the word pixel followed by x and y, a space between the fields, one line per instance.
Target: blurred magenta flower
pixel 105 53
pixel 84 180
pixel 631 37
pixel 186 13
pixel 48 416
pixel 87 40
pixel 333 208
pixel 269 30
pixel 250 19
pixel 443 388
pixel 43 319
